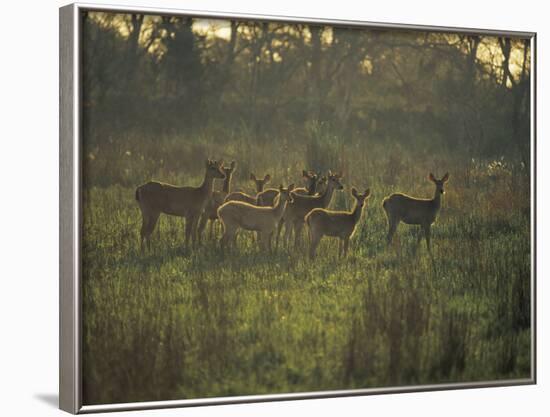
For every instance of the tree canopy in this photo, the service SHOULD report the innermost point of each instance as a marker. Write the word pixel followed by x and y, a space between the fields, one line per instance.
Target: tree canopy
pixel 172 74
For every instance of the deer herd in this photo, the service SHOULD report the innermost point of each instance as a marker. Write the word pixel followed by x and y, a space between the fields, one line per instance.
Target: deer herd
pixel 271 209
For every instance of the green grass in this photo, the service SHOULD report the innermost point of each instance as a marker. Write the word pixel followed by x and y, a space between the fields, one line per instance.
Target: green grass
pixel 187 323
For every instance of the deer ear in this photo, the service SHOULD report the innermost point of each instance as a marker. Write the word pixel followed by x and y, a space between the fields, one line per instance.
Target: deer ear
pixel 431 177
pixel 445 177
pixel 367 192
pixel 354 192
pixel 329 172
pixel 267 178
pixel 252 177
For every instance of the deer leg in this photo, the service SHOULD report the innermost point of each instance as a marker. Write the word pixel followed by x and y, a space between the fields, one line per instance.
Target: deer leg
pixel 232 237
pixel 288 230
pixel 264 236
pixel 346 246
pixel 228 237
pixel 195 235
pixel 158 230
pixel 223 239
pixel 151 223
pixel 298 226
pixel 202 223
pixel 212 225
pixel 427 230
pixel 419 237
pixel 143 231
pixel 314 242
pixel 279 228
pixel 188 230
pixel 264 240
pixel 392 229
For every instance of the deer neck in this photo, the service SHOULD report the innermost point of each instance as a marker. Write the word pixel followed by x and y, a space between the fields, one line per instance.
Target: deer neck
pixel 356 213
pixel 279 208
pixel 327 195
pixel 437 198
pixel 311 189
pixel 207 184
pixel 227 184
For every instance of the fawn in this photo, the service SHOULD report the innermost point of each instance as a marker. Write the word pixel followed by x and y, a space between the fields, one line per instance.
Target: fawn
pixel 240 196
pixel 414 211
pixel 340 224
pixel 238 214
pixel 210 213
pixel 303 204
pixel 156 197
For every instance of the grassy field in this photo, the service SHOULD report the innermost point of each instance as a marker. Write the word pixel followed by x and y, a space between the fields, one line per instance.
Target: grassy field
pixel 187 323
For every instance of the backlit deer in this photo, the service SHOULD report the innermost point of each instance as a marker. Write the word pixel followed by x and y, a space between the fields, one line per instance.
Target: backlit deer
pixel 267 197
pixel 156 197
pixel 321 184
pixel 340 224
pixel 415 211
pixel 240 196
pixel 303 204
pixel 210 213
pixel 236 215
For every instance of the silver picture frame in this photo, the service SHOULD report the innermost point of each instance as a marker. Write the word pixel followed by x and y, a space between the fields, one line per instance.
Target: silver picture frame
pixel 70 212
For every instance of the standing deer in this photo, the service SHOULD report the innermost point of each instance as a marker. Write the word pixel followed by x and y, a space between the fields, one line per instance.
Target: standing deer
pixel 267 197
pixel 303 204
pixel 340 224
pixel 414 211
pixel 240 196
pixel 321 184
pixel 264 220
pixel 156 197
pixel 210 213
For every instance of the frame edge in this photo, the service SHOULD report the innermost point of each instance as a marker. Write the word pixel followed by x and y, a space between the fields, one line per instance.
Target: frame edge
pixel 70 395
pixel 68 345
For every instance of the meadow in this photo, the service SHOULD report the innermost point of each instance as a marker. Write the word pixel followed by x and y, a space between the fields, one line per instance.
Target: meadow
pixel 180 322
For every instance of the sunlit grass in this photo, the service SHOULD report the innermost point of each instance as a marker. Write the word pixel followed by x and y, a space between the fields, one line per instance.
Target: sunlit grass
pixel 189 323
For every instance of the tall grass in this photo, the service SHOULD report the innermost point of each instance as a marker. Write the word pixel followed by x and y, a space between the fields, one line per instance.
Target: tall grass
pixel 188 323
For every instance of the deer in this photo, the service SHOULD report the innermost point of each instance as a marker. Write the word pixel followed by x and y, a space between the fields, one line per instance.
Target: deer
pixel 341 224
pixel 267 197
pixel 414 211
pixel 210 213
pixel 240 196
pixel 312 181
pixel 321 184
pixel 303 204
pixel 155 198
pixel 236 215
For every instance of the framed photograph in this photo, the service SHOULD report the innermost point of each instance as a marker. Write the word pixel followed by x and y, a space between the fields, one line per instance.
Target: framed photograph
pixel 258 208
